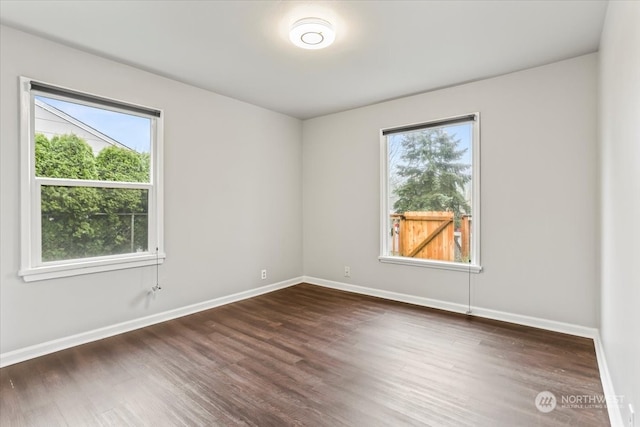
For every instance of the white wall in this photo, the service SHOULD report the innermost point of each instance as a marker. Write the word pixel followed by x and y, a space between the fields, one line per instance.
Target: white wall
pixel 232 198
pixel 539 199
pixel 242 193
pixel 620 204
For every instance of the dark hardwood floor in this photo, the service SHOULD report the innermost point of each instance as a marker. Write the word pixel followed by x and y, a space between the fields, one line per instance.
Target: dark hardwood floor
pixel 310 356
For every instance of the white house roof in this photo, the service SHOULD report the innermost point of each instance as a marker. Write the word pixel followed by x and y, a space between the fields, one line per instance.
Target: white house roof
pixel 51 121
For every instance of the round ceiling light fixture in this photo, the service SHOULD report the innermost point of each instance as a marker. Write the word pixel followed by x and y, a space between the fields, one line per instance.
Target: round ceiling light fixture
pixel 312 33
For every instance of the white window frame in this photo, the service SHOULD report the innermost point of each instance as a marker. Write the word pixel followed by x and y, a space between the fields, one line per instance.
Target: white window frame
pixel 32 266
pixel 474 265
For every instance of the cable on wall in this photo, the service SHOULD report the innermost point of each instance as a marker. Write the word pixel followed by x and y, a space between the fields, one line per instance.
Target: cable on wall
pixel 469 291
pixel 157 286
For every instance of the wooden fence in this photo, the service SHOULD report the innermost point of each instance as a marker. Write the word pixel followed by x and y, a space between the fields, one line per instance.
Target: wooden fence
pixel 430 235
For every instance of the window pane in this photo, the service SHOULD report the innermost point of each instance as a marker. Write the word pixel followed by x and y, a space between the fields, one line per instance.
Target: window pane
pixel 83 222
pixel 77 141
pixel 430 193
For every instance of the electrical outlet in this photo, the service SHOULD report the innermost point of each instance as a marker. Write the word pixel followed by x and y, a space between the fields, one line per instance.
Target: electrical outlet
pixel 263 274
pixel 347 271
pixel 632 417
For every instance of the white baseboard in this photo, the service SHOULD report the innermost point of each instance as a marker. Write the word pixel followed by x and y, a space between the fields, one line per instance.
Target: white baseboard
pixel 394 296
pixel 536 322
pixel 615 416
pixel 551 325
pixel 22 354
pixel 613 406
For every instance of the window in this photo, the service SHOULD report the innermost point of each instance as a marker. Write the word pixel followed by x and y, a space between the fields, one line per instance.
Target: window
pixel 91 196
pixel 430 192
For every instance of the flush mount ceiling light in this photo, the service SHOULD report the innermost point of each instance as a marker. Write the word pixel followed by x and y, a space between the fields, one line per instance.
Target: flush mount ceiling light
pixel 312 33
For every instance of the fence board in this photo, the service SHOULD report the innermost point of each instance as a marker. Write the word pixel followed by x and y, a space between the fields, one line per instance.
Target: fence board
pixel 426 235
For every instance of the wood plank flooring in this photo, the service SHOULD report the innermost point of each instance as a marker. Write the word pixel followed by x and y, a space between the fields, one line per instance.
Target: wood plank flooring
pixel 309 356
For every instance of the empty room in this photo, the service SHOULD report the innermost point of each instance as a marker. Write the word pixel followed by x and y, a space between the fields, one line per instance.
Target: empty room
pixel 320 213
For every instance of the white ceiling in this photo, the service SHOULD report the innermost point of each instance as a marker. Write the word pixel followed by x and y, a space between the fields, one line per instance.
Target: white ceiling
pixel 383 49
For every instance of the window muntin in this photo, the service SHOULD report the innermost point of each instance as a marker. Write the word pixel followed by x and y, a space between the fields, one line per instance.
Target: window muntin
pixel 430 194
pixel 92 189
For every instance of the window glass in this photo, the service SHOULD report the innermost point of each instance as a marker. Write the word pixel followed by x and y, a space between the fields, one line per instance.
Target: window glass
pixel 429 201
pixel 92 176
pixel 84 142
pixel 83 222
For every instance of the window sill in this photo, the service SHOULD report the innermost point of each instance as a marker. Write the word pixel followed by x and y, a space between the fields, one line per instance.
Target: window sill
pixel 443 265
pixel 89 266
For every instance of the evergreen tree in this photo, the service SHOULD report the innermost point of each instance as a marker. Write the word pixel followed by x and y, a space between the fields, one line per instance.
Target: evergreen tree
pixel 67 229
pixel 122 208
pixel 119 164
pixel 430 173
pixel 80 221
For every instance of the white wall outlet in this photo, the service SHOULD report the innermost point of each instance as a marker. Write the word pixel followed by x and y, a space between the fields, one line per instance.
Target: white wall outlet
pixel 263 274
pixel 347 271
pixel 632 417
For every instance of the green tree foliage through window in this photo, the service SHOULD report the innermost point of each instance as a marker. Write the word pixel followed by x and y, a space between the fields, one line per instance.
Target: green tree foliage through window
pixel 85 221
pixel 64 156
pixel 429 173
pixel 118 164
